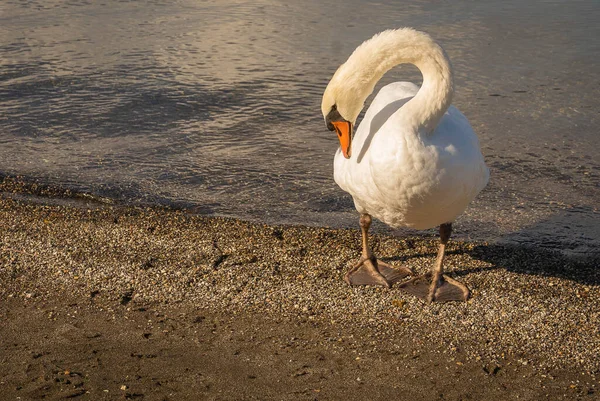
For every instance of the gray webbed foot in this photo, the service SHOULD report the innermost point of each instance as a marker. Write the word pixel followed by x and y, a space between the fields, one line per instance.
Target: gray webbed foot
pixel 370 271
pixel 446 289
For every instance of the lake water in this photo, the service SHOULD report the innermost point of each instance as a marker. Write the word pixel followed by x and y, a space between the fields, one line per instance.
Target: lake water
pixel 215 105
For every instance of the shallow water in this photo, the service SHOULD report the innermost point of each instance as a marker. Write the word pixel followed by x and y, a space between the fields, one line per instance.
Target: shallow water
pixel 215 105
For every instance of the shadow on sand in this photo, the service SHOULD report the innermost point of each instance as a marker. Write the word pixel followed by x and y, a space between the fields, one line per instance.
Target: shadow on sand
pixel 534 261
pixel 563 246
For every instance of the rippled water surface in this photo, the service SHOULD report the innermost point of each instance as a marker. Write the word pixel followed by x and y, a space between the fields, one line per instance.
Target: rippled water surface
pixel 215 105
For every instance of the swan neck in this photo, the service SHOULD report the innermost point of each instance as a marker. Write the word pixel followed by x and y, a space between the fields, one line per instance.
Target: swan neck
pixel 406 46
pixel 435 96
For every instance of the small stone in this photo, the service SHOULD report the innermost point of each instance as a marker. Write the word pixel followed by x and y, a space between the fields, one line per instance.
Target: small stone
pixel 399 303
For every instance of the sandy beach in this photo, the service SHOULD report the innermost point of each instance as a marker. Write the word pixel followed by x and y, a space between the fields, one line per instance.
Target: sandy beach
pixel 101 301
pixel 170 228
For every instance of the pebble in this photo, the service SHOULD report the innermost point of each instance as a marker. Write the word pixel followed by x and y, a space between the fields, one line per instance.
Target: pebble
pixel 525 301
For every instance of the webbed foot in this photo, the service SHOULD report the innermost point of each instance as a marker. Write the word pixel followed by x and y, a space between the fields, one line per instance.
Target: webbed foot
pixel 446 289
pixel 370 271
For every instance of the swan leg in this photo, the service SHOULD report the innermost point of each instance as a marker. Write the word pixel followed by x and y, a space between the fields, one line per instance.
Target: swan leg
pixel 435 286
pixel 370 271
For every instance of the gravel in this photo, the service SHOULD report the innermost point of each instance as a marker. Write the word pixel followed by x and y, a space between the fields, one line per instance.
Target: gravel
pixel 538 307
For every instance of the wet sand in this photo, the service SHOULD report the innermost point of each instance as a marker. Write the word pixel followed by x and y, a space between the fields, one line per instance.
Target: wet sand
pixel 101 301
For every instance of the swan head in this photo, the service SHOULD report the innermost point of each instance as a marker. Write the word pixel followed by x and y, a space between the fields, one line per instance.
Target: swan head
pixel 341 106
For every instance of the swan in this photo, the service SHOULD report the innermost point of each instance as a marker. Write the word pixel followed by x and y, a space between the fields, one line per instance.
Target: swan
pixel 414 161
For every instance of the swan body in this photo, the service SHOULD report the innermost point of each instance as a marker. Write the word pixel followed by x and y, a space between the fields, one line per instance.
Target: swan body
pixel 409 177
pixel 414 160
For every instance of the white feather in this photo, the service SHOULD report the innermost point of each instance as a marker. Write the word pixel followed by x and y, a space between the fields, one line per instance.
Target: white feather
pixel 415 159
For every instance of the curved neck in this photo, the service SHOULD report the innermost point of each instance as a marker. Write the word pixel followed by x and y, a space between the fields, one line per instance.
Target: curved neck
pixel 371 60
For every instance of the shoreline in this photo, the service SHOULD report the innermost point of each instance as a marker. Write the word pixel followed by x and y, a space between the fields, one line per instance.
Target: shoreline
pixel 532 311
pixel 37 190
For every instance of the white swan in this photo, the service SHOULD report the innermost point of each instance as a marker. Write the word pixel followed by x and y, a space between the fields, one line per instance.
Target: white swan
pixel 414 160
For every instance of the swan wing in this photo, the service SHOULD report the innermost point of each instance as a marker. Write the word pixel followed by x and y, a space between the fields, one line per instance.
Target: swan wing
pixel 408 178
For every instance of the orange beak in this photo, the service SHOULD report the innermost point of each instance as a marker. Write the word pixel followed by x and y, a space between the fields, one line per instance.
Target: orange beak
pixel 344 131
